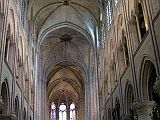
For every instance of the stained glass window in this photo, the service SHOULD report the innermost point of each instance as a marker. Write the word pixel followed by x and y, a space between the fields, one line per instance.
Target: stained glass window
pixel 108 13
pixel 53 111
pixel 22 11
pixel 115 2
pixel 72 112
pixel 62 112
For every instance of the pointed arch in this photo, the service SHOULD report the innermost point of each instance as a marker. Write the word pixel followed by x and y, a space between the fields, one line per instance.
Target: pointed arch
pixel 148 79
pixel 147 69
pixel 129 97
pixel 142 21
pixel 5 97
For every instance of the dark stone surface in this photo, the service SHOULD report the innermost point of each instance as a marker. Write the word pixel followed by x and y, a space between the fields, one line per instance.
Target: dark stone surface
pixel 6 117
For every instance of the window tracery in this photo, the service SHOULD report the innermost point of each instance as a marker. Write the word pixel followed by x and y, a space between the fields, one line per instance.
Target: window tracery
pixel 53 111
pixel 62 112
pixel 72 112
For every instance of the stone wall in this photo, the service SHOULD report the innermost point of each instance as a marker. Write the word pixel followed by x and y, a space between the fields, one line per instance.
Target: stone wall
pixel 131 82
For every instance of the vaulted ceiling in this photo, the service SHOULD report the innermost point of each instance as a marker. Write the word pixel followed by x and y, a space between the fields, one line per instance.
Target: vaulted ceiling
pixel 48 13
pixel 65 39
pixel 62 45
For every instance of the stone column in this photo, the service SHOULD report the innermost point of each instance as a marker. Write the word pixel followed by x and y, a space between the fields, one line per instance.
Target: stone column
pixel 143 110
pixel 57 112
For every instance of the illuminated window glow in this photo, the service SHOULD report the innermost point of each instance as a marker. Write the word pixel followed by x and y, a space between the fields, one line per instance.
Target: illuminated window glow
pixel 62 112
pixel 53 111
pixel 108 13
pixel 72 112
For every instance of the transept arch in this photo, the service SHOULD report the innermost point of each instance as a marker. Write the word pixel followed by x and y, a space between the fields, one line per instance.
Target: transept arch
pixel 43 34
pixel 66 89
pixel 64 55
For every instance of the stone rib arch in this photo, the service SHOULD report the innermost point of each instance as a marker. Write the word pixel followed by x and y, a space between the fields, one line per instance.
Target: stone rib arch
pixel 74 63
pixel 72 52
pixel 44 33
